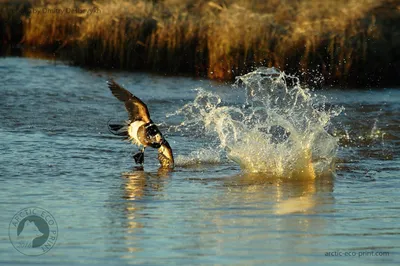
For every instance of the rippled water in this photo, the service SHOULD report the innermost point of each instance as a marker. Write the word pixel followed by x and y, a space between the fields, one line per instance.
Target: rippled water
pixel 58 155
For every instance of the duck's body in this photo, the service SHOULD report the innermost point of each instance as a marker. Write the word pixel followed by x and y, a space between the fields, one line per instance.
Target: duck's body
pixel 145 134
pixel 140 129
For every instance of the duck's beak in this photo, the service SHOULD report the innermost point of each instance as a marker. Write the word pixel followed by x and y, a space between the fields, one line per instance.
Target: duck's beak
pixel 165 155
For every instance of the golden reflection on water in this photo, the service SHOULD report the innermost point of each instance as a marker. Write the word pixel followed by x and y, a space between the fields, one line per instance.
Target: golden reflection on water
pixel 135 186
pixel 136 182
pixel 278 212
pixel 297 194
pixel 248 207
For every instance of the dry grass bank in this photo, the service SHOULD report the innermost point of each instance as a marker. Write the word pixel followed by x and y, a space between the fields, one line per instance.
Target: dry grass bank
pixel 353 42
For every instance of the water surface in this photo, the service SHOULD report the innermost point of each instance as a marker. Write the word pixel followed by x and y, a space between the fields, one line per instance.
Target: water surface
pixel 58 155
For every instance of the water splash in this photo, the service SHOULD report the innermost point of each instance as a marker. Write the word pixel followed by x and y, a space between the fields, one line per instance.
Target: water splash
pixel 365 141
pixel 280 128
pixel 198 157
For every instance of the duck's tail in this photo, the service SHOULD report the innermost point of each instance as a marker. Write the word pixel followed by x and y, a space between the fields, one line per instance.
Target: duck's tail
pixel 118 129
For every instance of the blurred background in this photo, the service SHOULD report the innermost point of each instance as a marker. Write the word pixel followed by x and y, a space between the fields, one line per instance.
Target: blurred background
pixel 342 42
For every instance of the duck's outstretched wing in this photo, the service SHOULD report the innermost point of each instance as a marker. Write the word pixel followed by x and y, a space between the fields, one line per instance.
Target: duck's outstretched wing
pixel 136 108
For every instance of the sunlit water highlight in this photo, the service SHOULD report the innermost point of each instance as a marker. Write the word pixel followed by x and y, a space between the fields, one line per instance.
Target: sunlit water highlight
pixel 58 154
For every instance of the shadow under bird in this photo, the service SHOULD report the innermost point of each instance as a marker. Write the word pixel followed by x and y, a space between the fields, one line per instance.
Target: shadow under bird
pixel 140 129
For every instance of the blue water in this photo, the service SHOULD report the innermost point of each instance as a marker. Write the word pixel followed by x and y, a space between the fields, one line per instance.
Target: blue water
pixel 57 154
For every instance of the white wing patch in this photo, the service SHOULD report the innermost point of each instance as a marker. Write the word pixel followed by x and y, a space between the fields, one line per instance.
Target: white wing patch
pixel 133 130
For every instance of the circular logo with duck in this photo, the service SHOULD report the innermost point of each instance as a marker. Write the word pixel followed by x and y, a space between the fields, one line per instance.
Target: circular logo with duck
pixel 33 231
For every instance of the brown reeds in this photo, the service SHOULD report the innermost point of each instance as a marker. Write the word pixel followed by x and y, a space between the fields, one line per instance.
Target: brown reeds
pixel 348 41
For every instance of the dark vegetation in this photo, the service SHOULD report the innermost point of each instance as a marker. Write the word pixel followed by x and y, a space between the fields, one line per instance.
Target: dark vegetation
pixel 347 42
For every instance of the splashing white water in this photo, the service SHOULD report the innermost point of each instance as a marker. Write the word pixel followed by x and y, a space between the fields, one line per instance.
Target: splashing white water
pixel 280 129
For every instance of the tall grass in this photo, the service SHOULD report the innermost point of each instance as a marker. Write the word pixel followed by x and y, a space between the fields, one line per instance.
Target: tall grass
pixel 220 39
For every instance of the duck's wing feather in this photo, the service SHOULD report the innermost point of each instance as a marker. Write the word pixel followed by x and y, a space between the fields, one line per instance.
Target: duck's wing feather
pixel 136 108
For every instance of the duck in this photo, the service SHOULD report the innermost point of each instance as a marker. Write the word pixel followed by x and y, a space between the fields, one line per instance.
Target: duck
pixel 140 129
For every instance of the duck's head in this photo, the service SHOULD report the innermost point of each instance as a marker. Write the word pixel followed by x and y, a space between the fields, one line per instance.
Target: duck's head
pixel 165 155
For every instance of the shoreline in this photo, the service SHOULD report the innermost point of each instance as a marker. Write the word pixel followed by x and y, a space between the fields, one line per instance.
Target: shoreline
pixel 356 48
pixel 40 55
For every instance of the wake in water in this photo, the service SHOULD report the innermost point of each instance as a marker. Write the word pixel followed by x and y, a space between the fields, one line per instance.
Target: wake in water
pixel 280 128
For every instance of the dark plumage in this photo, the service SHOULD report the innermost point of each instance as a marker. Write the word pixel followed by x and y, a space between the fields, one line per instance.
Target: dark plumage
pixel 137 109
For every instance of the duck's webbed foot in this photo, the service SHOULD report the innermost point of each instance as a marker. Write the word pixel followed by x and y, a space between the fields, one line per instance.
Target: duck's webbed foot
pixel 139 157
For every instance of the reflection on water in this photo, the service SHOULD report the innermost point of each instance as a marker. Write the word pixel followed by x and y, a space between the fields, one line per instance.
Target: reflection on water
pixel 246 207
pixel 138 181
pixel 135 185
pixel 291 209
pixel 298 195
